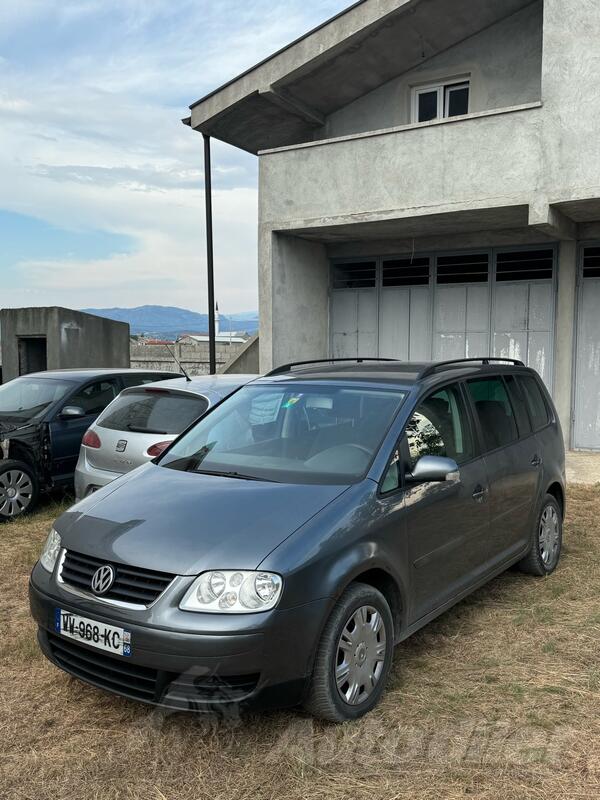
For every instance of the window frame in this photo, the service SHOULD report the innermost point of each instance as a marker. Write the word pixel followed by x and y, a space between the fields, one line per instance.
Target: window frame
pixel 443 88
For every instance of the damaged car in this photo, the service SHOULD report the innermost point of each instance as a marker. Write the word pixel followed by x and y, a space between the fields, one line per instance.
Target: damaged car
pixel 43 418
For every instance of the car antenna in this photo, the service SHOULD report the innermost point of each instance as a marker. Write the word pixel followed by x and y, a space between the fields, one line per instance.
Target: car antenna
pixel 179 364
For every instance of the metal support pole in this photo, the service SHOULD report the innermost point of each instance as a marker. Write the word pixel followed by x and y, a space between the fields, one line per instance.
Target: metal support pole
pixel 212 350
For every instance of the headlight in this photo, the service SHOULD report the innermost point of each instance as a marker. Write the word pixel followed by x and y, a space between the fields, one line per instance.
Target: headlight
pixel 50 551
pixel 233 591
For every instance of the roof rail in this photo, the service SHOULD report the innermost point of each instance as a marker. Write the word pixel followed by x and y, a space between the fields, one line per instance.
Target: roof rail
pixel 433 368
pixel 288 367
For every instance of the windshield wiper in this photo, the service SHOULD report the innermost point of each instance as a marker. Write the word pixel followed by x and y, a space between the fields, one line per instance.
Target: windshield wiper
pixel 233 474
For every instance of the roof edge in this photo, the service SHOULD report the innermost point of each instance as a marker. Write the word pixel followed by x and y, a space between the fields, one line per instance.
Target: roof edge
pixel 277 53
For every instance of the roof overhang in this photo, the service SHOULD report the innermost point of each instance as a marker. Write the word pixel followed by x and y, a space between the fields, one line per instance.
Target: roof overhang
pixel 286 98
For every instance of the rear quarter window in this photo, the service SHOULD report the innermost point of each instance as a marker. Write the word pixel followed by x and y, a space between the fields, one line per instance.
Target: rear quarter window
pixel 153 412
pixel 538 410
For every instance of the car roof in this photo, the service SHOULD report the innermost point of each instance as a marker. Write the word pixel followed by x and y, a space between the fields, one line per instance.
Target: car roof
pixel 213 385
pixel 399 373
pixel 86 374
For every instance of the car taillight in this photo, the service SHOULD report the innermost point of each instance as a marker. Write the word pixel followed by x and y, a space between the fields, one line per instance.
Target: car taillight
pixel 157 449
pixel 91 439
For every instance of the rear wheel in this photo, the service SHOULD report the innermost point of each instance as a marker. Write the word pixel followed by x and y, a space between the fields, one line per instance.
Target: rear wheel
pixel 546 544
pixel 19 489
pixel 354 656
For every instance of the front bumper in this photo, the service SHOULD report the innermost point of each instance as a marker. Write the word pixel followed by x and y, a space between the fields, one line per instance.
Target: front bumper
pixel 257 663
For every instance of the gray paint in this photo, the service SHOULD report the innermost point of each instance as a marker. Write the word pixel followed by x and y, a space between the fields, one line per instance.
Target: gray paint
pixel 503 63
pixel 74 339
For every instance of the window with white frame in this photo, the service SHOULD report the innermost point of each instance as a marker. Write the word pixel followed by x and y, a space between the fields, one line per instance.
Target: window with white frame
pixel 440 100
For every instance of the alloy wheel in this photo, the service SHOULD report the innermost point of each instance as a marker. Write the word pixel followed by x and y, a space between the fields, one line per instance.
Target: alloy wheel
pixel 360 655
pixel 16 492
pixel 549 535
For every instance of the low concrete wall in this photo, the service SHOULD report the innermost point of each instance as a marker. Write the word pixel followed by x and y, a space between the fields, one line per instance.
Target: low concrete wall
pixel 194 358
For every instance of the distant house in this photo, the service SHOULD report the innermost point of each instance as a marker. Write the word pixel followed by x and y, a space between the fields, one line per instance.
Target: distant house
pixel 221 338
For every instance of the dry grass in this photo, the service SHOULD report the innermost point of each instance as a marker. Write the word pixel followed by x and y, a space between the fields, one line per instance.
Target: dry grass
pixel 499 698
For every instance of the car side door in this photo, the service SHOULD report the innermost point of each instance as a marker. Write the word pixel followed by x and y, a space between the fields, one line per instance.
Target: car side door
pixel 511 460
pixel 447 523
pixel 66 433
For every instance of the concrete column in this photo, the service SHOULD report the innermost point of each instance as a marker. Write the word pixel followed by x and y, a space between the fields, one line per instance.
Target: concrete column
pixel 293 299
pixel 564 369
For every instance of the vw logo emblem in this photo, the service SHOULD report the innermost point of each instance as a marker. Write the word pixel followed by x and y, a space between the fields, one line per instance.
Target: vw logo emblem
pixel 103 579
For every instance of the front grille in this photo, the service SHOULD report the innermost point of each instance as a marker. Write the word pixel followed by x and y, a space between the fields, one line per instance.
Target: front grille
pixel 106 671
pixel 132 584
pixel 116 674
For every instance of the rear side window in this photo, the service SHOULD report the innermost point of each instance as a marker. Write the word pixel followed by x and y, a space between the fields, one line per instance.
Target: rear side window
pixel 494 411
pixel 439 427
pixel 153 411
pixel 535 402
pixel 519 405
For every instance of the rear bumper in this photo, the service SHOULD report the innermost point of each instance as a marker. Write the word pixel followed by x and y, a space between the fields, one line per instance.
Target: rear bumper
pixel 88 479
pixel 256 668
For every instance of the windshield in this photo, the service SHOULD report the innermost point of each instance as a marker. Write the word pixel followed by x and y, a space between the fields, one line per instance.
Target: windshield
pixel 152 411
pixel 24 399
pixel 289 433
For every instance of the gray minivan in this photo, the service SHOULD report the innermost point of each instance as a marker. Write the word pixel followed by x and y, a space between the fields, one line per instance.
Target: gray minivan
pixel 276 552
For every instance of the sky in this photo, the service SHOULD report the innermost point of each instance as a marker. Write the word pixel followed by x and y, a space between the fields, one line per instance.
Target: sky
pixel 101 186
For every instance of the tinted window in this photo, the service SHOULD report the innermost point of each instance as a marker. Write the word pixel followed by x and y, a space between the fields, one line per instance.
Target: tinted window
pixel 292 433
pixel 139 379
pixel 95 397
pixel 152 411
pixel 439 427
pixel 517 400
pixel 428 105
pixel 495 412
pixel 535 402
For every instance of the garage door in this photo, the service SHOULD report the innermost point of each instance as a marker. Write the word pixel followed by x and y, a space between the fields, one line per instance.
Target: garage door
pixel 445 306
pixel 586 428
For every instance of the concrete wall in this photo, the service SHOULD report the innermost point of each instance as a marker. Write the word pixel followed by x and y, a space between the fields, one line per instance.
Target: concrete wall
pixel 73 339
pixel 293 300
pixel 246 360
pixel 194 358
pixel 504 63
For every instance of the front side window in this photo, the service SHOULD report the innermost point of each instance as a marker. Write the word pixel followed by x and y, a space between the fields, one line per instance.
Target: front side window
pixel 495 413
pixel 441 101
pixel 94 398
pixel 24 399
pixel 291 433
pixel 439 427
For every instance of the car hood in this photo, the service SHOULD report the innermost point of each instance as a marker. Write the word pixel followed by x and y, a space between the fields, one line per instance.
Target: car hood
pixel 184 523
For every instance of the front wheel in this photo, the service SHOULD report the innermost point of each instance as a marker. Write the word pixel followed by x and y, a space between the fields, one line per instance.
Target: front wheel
pixel 354 656
pixel 546 542
pixel 19 489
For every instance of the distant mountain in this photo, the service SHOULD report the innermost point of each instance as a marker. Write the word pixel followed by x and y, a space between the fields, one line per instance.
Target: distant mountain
pixel 170 321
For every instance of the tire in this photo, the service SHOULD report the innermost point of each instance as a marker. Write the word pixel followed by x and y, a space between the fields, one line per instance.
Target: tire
pixel 546 541
pixel 19 489
pixel 362 664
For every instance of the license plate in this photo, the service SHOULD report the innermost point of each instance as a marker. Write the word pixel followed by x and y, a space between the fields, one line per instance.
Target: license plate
pixel 96 634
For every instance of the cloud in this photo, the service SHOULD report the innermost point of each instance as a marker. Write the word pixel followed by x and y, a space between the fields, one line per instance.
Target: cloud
pixel 92 96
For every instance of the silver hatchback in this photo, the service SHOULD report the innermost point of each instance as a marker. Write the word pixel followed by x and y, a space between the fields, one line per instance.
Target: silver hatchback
pixel 142 422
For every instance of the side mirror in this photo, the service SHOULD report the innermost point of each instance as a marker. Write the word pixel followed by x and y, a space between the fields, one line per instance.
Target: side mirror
pixel 430 469
pixel 72 412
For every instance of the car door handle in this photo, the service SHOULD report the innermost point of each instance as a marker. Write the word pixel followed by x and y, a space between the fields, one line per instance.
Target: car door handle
pixel 536 461
pixel 479 493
